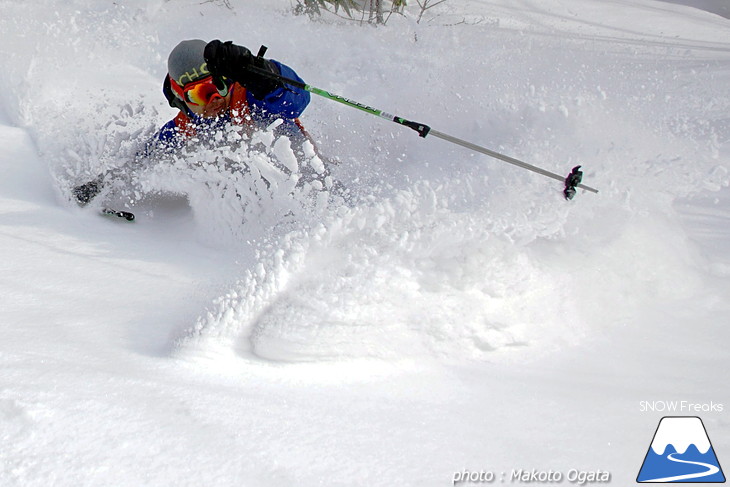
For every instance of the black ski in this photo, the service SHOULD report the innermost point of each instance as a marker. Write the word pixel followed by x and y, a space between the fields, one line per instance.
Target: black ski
pixel 127 215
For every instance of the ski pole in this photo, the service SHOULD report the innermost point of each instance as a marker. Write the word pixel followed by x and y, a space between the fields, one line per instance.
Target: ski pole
pixel 571 182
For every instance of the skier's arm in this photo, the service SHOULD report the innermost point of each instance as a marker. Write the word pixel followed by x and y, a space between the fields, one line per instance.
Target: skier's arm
pixel 235 62
pixel 284 101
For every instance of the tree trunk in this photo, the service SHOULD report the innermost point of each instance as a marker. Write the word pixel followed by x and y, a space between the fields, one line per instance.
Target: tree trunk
pixel 379 18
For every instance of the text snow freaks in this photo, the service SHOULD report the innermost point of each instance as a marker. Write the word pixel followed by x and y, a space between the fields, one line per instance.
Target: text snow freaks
pixel 522 476
pixel 680 407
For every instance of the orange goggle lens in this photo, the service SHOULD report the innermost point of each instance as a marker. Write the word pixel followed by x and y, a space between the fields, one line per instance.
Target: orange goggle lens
pixel 199 93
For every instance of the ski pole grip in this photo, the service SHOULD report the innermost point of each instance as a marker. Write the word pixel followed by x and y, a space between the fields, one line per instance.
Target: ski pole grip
pixel 421 128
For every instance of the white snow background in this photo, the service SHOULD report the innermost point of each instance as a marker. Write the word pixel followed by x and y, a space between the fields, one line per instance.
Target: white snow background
pixel 454 314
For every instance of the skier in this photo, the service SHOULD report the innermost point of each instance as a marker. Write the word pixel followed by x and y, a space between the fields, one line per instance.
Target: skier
pixel 212 84
pixel 216 83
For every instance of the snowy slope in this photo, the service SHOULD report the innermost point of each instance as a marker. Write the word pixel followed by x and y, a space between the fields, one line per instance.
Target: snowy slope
pixel 455 314
pixel 718 7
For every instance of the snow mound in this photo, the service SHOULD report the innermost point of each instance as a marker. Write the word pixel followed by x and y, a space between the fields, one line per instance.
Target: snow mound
pixel 401 277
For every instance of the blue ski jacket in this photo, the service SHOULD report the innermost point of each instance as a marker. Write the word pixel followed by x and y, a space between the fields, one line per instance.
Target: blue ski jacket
pixel 285 102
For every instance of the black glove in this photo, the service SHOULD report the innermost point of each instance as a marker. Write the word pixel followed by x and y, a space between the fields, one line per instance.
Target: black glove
pixel 86 192
pixel 229 60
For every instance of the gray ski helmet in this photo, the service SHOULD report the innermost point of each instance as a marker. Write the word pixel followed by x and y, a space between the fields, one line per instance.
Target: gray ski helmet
pixel 186 62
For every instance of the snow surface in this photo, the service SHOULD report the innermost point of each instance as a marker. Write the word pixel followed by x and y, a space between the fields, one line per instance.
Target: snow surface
pixel 451 314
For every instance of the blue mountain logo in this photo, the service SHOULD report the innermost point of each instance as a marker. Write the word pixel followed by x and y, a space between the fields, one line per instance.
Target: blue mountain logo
pixel 681 452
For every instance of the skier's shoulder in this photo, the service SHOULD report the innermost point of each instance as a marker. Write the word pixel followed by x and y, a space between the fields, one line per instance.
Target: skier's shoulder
pixel 173 128
pixel 286 101
pixel 168 131
pixel 286 71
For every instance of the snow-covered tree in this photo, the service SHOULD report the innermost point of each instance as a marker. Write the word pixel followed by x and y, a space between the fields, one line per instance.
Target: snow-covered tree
pixel 372 11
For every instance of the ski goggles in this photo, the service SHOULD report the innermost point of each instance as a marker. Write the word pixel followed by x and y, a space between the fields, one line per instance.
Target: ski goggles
pixel 200 92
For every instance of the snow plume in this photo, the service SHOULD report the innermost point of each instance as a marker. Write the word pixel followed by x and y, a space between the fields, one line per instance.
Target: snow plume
pixel 393 278
pixel 242 187
pixel 85 125
pixel 80 83
pixel 481 261
pixel 107 143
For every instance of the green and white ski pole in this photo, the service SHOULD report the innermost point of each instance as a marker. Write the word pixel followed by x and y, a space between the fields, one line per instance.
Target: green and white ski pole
pixel 572 181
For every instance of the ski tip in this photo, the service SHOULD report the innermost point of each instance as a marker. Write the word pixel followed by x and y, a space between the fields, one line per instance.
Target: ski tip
pixel 127 215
